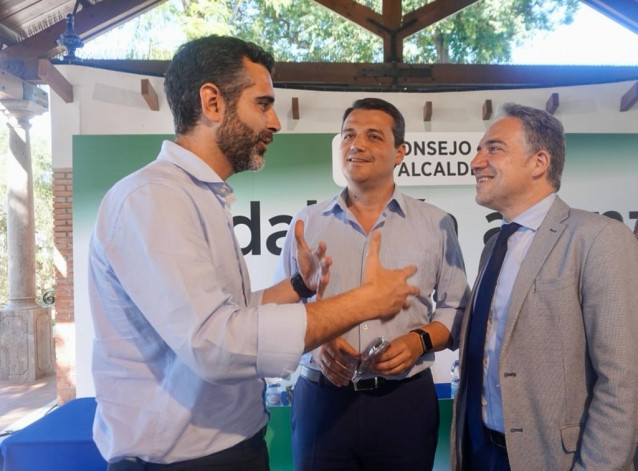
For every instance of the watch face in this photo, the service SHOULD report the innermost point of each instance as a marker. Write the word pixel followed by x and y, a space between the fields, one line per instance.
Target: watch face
pixel 300 287
pixel 427 342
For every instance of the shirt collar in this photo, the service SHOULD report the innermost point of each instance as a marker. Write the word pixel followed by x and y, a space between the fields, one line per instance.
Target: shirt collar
pixel 395 204
pixel 197 168
pixel 532 217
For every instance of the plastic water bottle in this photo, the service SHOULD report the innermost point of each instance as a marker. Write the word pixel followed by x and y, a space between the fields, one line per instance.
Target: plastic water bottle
pixel 273 394
pixel 454 385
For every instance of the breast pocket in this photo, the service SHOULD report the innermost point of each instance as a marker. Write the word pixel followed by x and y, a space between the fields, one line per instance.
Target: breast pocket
pixel 556 304
pixel 557 296
pixel 427 263
pixel 566 281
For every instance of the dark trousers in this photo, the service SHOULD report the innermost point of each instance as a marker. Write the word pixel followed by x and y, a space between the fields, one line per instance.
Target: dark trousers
pixel 249 455
pixel 392 428
pixel 489 457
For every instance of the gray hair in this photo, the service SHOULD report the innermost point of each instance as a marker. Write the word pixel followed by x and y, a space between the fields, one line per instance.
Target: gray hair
pixel 542 131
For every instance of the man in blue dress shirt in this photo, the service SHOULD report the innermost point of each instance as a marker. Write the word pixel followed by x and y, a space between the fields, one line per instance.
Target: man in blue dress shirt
pixel 181 342
pixel 389 419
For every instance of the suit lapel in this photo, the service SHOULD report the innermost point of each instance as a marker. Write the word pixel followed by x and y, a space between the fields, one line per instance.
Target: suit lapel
pixel 544 241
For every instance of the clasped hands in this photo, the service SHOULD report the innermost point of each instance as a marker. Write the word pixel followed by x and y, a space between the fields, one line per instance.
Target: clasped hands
pixel 338 360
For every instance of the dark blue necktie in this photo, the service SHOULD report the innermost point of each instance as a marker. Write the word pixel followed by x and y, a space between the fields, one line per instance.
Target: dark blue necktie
pixel 476 339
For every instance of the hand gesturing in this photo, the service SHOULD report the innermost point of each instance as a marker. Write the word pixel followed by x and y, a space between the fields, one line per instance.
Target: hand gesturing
pixel 314 266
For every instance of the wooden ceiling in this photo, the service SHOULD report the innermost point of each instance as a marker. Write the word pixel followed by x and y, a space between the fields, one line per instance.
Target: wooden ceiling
pixel 29 30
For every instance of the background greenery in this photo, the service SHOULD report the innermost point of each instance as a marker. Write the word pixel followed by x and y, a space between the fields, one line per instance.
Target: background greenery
pixel 43 206
pixel 302 30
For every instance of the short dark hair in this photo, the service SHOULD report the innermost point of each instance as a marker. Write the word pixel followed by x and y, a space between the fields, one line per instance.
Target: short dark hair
pixel 215 59
pixel 398 126
pixel 542 132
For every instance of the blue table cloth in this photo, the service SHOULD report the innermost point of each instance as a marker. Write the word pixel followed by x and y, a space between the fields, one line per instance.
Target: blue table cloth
pixel 63 439
pixel 60 441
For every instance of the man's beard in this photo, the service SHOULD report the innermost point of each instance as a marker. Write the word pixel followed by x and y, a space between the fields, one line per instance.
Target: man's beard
pixel 240 144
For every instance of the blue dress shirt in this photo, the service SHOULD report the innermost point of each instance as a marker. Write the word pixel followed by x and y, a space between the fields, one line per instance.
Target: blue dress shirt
pixel 412 232
pixel 517 247
pixel 181 343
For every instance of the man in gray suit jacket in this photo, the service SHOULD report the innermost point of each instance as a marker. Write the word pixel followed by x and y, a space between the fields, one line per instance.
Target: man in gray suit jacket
pixel 557 370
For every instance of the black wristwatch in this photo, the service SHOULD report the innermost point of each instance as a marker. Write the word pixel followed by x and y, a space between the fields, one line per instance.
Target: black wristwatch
pixel 426 341
pixel 300 287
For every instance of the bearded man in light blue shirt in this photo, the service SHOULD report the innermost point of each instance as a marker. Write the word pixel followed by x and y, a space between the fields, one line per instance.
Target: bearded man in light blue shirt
pixel 181 342
pixel 389 419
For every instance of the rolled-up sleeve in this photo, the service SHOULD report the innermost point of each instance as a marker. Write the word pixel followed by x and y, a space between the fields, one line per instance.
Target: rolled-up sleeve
pixel 452 292
pixel 278 355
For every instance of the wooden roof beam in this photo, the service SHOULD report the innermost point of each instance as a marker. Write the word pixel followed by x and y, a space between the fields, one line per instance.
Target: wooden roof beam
pixel 552 103
pixel 392 18
pixel 103 16
pixel 150 95
pixel 89 22
pixel 487 110
pixel 295 107
pixel 623 12
pixel 630 98
pixel 392 14
pixel 437 75
pixel 375 76
pixel 431 13
pixel 15 89
pixel 365 17
pixel 8 36
pixel 48 74
pixel 385 26
pixel 391 26
pixel 427 111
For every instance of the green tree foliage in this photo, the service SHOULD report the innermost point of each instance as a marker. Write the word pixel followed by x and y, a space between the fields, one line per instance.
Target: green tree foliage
pixel 293 30
pixel 486 31
pixel 154 35
pixel 305 31
pixel 43 208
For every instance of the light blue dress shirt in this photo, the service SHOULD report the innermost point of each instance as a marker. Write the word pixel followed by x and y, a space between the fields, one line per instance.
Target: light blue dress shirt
pixel 517 246
pixel 412 232
pixel 181 343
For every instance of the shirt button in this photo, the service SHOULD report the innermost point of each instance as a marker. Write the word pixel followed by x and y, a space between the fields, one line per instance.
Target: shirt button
pixel 364 326
pixel 483 402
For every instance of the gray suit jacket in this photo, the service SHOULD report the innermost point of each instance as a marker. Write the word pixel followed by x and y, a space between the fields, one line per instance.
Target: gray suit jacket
pixel 569 360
